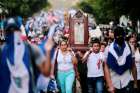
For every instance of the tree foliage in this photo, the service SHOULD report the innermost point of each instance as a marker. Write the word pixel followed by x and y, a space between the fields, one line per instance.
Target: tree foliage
pixel 23 7
pixel 107 10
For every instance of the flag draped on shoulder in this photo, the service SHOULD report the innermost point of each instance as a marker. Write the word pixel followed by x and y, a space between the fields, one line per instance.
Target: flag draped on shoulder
pixel 119 58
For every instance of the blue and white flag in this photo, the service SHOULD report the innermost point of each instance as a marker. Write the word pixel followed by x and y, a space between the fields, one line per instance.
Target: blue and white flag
pixel 119 59
pixel 15 75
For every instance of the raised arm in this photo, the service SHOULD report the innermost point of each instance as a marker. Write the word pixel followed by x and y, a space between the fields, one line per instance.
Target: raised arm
pixel 41 61
pixel 85 57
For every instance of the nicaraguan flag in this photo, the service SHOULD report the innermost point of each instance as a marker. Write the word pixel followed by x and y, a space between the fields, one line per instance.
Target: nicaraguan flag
pixel 119 59
pixel 15 75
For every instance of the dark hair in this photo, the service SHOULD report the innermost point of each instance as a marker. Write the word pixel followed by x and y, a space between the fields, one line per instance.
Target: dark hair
pixel 94 40
pixel 103 43
pixel 63 39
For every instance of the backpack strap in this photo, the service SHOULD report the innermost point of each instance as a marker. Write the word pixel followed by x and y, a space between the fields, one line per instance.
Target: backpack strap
pixel 56 64
pixel 56 56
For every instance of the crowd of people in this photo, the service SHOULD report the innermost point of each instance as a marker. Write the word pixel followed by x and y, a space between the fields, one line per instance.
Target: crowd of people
pixel 36 57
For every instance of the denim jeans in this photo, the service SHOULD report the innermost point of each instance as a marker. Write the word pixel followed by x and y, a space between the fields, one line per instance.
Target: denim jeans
pixel 95 84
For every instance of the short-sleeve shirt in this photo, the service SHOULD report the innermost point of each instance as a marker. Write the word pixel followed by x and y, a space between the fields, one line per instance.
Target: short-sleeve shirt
pixel 95 64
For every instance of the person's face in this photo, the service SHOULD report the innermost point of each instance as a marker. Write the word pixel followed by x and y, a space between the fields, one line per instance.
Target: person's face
pixel 111 35
pixel 63 45
pixel 132 41
pixel 102 49
pixel 96 47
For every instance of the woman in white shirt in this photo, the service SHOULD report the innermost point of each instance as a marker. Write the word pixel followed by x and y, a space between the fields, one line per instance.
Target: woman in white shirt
pixel 66 60
pixel 136 55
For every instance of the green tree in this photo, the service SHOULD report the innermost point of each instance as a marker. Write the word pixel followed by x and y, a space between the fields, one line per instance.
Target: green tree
pixel 23 7
pixel 107 10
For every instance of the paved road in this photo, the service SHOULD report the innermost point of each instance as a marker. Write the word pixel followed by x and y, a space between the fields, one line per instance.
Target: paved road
pixel 62 4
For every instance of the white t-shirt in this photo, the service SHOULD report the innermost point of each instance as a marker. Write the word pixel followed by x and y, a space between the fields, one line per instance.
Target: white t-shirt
pixel 95 64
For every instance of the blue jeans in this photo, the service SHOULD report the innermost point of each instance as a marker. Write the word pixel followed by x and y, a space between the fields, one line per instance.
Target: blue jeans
pixel 95 84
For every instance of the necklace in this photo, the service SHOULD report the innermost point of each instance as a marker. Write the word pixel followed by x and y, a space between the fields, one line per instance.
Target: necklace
pixel 64 56
pixel 64 59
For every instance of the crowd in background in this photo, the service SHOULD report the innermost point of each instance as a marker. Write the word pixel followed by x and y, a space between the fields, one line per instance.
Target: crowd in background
pixel 49 32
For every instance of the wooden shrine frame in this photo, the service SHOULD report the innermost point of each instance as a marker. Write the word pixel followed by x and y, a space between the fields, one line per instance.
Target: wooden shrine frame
pixel 79 40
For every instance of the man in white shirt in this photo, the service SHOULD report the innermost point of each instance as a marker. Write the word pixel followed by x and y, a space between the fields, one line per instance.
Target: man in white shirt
pixel 120 63
pixel 95 65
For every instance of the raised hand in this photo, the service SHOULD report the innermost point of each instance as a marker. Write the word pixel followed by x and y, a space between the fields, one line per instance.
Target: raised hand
pixel 49 44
